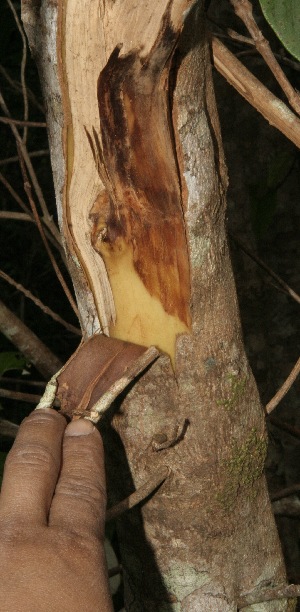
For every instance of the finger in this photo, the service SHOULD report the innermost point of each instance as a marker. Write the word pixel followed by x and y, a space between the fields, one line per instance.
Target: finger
pixel 32 467
pixel 79 502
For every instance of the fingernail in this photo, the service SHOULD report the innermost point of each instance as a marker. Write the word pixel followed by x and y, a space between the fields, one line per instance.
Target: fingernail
pixel 49 410
pixel 80 427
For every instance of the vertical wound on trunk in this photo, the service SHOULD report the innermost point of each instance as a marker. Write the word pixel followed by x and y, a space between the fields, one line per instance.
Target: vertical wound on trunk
pixel 137 222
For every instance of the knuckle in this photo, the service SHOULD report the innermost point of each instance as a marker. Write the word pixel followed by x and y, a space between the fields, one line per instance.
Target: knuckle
pixel 87 490
pixel 41 417
pixel 35 455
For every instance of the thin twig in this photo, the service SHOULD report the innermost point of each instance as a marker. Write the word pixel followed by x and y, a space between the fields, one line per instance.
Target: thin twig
pixel 244 10
pixel 287 506
pixel 229 34
pixel 17 87
pixel 19 396
pixel 11 160
pixel 286 492
pixel 284 388
pixel 262 264
pixel 13 193
pixel 259 96
pixel 48 220
pixel 113 571
pixel 9 121
pixel 24 159
pixel 15 216
pixel 39 303
pixel 240 38
pixel 293 375
pixel 269 594
pixel 23 65
pixel 22 204
pixel 7 428
pixel 22 381
pixel 27 210
pixel 61 279
pixel 138 496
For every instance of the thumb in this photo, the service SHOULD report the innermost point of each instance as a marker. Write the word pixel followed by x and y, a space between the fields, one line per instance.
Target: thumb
pixel 79 502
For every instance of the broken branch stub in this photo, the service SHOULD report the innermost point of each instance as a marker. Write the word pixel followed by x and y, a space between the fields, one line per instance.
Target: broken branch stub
pixel 97 372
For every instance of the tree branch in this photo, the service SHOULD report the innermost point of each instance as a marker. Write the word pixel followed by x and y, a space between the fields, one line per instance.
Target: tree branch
pixel 138 496
pixel 268 594
pixel 263 265
pixel 7 428
pixel 24 207
pixel 20 144
pixel 284 388
pixel 286 492
pixel 58 273
pixel 23 65
pixel 14 158
pixel 17 87
pixel 288 506
pixel 20 396
pixel 273 109
pixel 39 303
pixel 11 160
pixel 28 343
pixel 15 216
pixel 9 121
pixel 243 9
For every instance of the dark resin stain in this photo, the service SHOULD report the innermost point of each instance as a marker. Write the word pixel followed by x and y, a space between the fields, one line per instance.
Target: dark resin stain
pixel 142 204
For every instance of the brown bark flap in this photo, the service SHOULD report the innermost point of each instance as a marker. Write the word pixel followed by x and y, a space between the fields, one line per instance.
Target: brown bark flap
pixel 97 372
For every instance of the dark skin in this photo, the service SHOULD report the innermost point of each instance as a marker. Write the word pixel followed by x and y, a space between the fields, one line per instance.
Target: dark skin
pixel 52 515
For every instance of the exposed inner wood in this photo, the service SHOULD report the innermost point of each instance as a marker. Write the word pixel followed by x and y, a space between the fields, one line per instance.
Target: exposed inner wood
pixel 123 202
pixel 81 41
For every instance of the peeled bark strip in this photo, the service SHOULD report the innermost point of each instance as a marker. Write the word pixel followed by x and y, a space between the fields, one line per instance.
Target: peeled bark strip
pixel 143 218
pixel 99 369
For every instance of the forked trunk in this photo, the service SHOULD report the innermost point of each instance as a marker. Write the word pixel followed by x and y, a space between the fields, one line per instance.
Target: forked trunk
pixel 140 183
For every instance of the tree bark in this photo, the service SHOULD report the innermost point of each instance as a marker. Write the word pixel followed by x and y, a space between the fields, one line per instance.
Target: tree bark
pixel 140 183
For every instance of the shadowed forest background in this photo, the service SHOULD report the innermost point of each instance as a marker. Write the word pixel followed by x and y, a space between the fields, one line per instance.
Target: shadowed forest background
pixel 263 215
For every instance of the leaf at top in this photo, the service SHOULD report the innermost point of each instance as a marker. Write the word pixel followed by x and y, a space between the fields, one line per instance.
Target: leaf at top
pixel 284 17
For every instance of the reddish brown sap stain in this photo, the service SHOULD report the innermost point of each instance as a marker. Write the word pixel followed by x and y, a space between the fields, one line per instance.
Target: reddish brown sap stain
pixel 137 165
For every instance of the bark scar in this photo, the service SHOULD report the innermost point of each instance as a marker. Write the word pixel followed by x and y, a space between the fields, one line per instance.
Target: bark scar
pixel 161 441
pixel 141 207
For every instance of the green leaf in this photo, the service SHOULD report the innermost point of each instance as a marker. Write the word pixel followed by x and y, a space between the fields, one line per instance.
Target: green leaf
pixel 284 17
pixel 11 361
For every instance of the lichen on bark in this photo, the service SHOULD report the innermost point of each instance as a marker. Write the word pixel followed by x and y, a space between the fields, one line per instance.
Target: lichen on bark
pixel 243 468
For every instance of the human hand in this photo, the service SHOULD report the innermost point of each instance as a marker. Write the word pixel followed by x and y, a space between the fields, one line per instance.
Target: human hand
pixel 52 514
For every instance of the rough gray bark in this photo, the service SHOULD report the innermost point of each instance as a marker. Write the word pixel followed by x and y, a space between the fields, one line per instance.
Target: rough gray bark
pixel 207 536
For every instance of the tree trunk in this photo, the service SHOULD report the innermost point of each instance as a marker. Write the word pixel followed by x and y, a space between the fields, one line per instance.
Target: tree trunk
pixel 140 184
